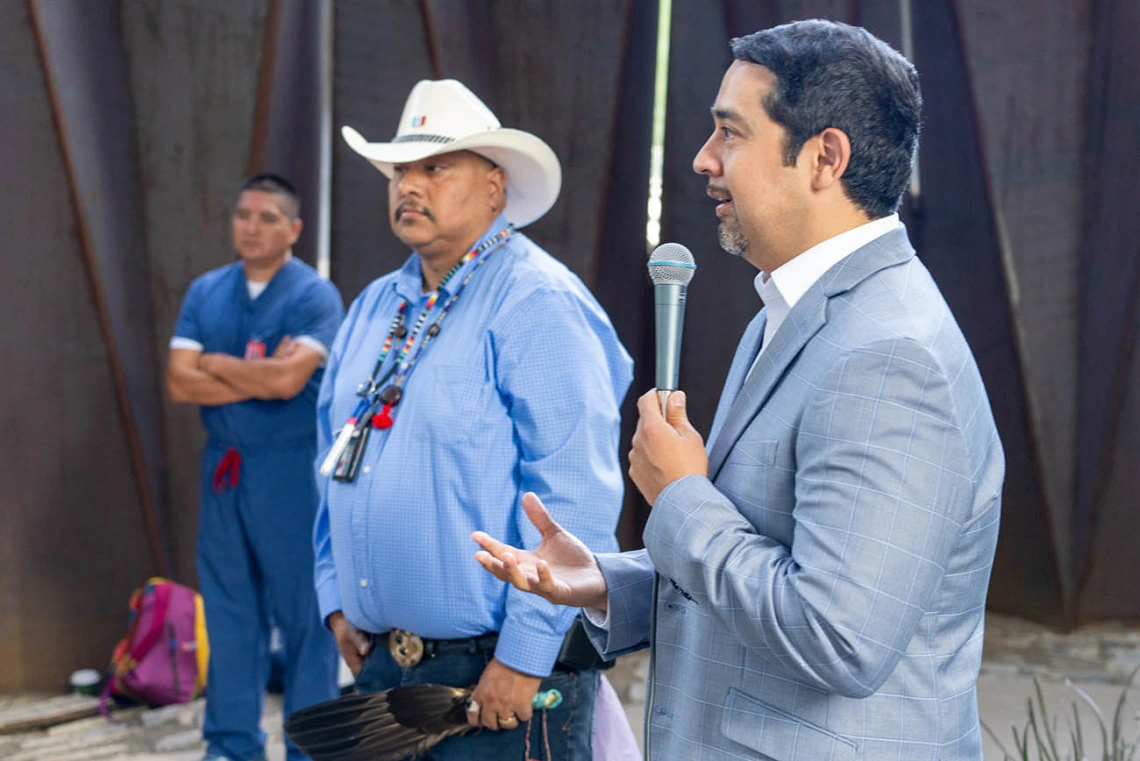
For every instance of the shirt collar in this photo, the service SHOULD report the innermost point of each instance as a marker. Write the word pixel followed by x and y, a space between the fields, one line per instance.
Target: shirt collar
pixel 768 292
pixel 409 280
pixel 795 277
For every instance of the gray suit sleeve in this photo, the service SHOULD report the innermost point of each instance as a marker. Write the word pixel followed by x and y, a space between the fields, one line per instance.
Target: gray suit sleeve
pixel 629 601
pixel 882 491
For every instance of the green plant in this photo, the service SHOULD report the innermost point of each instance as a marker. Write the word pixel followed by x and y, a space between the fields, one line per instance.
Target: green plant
pixel 1040 739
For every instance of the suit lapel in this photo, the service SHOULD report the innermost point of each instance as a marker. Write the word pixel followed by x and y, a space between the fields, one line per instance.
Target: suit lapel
pixel 745 354
pixel 803 321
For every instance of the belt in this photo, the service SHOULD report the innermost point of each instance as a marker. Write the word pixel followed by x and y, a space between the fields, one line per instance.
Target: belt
pixel 409 649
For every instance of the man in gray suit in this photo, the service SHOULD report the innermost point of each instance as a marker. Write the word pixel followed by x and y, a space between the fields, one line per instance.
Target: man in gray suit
pixel 814 587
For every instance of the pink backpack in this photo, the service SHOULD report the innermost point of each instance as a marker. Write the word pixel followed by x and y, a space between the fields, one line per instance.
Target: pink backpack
pixel 163 657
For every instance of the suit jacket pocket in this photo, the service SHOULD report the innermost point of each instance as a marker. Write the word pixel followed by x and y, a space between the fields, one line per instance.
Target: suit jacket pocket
pixel 746 478
pixel 756 453
pixel 778 734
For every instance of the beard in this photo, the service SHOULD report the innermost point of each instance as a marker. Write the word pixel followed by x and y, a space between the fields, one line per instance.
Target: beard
pixel 732 237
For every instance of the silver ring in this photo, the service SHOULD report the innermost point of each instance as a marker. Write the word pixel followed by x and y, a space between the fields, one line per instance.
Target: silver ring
pixel 473 706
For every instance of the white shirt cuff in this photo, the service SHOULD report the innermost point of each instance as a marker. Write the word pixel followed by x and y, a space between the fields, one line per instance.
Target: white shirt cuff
pixel 178 342
pixel 313 344
pixel 597 617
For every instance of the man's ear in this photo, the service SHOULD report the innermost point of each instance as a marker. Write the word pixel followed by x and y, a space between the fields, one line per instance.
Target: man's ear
pixel 295 227
pixel 831 155
pixel 497 182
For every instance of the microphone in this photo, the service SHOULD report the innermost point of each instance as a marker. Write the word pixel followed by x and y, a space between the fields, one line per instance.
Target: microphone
pixel 671 267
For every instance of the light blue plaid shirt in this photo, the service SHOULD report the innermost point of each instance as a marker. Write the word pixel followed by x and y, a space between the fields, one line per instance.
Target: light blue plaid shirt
pixel 519 392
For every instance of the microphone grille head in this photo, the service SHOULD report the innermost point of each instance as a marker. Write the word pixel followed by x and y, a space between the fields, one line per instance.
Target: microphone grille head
pixel 671 264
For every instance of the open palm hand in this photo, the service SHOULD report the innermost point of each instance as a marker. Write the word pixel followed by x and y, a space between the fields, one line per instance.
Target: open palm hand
pixel 561 569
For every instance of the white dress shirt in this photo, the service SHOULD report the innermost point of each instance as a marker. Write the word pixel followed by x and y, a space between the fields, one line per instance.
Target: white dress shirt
pixel 787 284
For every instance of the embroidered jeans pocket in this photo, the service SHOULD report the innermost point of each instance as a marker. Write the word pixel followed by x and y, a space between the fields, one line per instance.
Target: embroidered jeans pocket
pixel 778 734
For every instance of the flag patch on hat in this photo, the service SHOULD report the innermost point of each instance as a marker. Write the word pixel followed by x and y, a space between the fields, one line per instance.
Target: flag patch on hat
pixel 419 121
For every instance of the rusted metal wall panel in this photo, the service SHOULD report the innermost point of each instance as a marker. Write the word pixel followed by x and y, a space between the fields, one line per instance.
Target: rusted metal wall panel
pixel 82 49
pixel 956 235
pixel 620 279
pixel 1028 71
pixel 287 125
pixel 74 542
pixel 381 51
pixel 1108 442
pixel 1108 591
pixel 193 67
pixel 564 90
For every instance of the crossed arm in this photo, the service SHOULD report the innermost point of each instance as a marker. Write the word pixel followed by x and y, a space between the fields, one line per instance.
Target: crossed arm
pixel 209 379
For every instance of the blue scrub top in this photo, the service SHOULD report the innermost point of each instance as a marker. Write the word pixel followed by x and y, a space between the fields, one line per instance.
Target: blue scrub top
pixel 219 314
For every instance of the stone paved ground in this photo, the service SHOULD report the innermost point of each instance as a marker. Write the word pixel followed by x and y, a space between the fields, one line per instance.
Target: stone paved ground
pixel 1098 660
pixel 1104 653
pixel 172 733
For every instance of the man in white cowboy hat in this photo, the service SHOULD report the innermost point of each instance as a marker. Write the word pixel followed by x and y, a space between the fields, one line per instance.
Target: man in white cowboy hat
pixel 480 370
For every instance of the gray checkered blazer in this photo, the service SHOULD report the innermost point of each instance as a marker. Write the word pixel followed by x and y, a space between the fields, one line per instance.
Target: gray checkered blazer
pixel 821 594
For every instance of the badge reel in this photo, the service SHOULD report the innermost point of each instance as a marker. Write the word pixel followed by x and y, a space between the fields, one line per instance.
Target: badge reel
pixel 349 462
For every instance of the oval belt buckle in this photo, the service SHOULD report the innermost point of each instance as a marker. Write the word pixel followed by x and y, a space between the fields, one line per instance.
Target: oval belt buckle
pixel 407 649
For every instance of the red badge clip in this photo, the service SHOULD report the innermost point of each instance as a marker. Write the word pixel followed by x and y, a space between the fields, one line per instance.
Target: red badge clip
pixel 383 418
pixel 254 349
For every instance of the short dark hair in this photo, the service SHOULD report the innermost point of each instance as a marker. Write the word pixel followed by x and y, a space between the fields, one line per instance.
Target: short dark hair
pixel 267 182
pixel 830 74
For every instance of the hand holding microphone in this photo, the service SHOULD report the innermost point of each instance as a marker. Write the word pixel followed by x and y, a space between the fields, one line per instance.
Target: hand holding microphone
pixel 666 446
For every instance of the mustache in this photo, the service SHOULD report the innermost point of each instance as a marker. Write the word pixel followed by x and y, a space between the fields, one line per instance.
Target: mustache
pixel 409 204
pixel 720 189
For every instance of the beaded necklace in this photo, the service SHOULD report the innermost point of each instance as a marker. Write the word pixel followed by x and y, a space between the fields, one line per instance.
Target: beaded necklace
pixel 372 391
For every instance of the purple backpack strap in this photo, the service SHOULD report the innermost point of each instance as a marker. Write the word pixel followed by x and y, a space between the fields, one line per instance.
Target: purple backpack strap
pixel 105 698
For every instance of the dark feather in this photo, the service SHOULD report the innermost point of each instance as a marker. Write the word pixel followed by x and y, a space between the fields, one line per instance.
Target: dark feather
pixel 339 718
pixel 431 708
pixel 347 706
pixel 320 735
pixel 384 726
pixel 394 749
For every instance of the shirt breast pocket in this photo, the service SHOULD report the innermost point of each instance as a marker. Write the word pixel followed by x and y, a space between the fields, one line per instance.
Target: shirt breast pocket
pixel 459 399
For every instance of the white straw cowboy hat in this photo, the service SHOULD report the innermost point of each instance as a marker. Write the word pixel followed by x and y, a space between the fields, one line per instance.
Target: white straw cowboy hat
pixel 444 116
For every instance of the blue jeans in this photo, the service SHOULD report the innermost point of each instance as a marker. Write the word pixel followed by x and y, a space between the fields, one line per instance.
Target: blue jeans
pixel 567 728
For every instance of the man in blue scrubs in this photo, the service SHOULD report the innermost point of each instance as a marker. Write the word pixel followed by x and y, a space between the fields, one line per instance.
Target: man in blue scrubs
pixel 249 346
pixel 480 370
